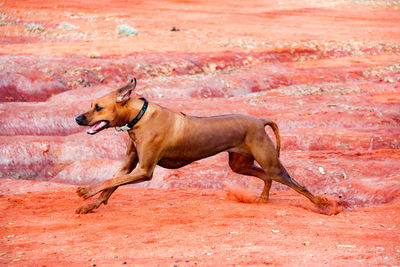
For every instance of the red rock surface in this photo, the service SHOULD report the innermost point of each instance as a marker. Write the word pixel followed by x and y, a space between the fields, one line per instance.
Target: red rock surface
pixel 327 72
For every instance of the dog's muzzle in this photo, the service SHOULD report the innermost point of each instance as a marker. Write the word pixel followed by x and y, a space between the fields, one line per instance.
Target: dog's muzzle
pixel 81 120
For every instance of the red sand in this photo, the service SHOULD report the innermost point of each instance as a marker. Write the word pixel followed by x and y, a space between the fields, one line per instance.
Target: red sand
pixel 328 73
pixel 191 226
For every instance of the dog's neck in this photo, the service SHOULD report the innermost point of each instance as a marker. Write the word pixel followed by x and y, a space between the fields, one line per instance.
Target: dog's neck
pixel 136 108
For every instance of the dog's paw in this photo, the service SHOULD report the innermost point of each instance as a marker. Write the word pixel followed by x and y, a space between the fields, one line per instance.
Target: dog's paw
pixel 261 199
pixel 86 208
pixel 84 192
pixel 329 206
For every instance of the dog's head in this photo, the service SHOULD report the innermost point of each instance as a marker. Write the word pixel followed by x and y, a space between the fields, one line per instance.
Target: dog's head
pixel 105 111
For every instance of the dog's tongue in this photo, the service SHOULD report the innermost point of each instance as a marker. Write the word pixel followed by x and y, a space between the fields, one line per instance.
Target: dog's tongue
pixel 96 127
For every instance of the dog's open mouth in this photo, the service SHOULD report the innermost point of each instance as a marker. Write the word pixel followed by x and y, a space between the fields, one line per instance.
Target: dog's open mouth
pixel 97 127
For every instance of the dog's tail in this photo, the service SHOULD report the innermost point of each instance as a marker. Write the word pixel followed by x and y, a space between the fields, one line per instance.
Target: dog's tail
pixel 274 127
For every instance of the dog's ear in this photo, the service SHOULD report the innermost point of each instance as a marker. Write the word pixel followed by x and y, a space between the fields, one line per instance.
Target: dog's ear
pixel 125 92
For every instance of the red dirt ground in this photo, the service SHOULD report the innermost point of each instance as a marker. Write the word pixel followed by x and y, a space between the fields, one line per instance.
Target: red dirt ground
pixel 327 71
pixel 188 227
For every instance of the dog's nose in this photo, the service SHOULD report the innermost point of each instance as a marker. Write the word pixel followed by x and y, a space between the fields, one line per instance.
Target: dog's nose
pixel 79 119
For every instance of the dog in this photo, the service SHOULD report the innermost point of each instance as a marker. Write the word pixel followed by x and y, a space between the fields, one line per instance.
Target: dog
pixel 159 136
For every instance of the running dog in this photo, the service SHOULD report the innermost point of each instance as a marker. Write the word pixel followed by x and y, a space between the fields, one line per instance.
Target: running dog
pixel 159 136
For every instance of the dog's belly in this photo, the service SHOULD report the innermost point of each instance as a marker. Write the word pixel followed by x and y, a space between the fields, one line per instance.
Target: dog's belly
pixel 173 163
pixel 178 162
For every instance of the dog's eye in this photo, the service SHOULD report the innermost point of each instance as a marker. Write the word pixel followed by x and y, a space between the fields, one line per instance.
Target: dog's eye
pixel 97 108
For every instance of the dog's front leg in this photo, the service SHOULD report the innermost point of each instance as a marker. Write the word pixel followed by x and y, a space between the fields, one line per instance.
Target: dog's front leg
pixel 147 162
pixel 127 166
pixel 105 195
pixel 95 204
pixel 136 176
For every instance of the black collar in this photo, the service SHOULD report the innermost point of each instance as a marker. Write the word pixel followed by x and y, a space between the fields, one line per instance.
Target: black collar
pixel 133 122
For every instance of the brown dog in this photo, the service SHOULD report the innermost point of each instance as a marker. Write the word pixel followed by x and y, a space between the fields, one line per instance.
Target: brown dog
pixel 159 136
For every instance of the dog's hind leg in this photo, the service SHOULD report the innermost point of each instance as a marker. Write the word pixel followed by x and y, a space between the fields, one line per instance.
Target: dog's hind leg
pixel 264 153
pixel 274 169
pixel 244 164
pixel 319 201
